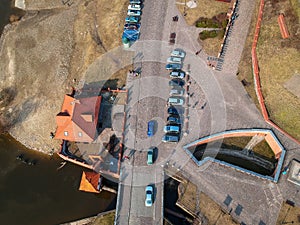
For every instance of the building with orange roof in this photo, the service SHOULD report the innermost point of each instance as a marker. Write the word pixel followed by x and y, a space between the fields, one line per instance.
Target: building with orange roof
pixel 90 182
pixel 78 119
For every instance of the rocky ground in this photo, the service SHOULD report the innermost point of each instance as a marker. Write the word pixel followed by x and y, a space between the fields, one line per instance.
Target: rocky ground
pixel 40 56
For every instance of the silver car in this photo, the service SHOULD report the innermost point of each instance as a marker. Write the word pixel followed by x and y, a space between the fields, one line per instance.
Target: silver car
pixel 175 101
pixel 177 74
pixel 178 53
pixel 176 92
pixel 174 60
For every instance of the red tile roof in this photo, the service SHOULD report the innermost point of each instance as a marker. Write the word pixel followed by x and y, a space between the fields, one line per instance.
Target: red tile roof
pixel 78 119
pixel 90 182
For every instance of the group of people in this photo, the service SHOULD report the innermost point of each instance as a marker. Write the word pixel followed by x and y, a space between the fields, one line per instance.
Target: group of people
pixel 134 73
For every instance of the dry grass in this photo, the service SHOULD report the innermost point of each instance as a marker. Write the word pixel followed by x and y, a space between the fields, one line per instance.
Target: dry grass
pixel 111 16
pixel 278 64
pixel 237 142
pixel 212 46
pixel 261 148
pixel 187 199
pixel 205 8
pixel 264 149
pixel 213 212
pixel 288 214
pixel 98 29
pixel 106 219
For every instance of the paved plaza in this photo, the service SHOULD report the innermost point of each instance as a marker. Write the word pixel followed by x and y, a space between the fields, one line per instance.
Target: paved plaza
pixel 217 102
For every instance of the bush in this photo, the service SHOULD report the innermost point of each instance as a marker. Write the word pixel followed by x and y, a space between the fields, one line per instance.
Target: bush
pixel 208 34
pixel 207 23
pixel 219 21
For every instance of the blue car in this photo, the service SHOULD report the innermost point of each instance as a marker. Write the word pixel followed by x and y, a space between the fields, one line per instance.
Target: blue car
pixel 175 110
pixel 150 131
pixel 132 19
pixel 170 138
pixel 173 66
pixel 132 26
pixel 173 119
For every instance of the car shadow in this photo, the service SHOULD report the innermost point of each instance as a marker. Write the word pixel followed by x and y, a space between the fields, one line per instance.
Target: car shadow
pixel 155 154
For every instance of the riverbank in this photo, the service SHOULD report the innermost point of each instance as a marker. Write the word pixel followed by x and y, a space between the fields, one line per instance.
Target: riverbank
pixel 104 218
pixel 44 55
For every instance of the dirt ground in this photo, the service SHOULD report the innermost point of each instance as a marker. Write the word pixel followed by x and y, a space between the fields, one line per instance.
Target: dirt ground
pixel 42 54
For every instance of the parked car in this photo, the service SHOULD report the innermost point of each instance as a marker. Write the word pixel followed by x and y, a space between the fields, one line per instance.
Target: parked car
pixel 134 13
pixel 150 156
pixel 174 60
pixel 135 2
pixel 150 131
pixel 178 53
pixel 177 74
pixel 173 66
pixel 175 101
pixel 132 19
pixel 172 129
pixel 176 82
pixel 173 119
pixel 149 196
pixel 175 110
pixel 170 138
pixel 132 26
pixel 134 7
pixel 176 92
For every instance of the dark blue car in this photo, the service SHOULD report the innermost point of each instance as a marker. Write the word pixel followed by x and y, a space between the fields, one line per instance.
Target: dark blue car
pixel 175 110
pixel 150 131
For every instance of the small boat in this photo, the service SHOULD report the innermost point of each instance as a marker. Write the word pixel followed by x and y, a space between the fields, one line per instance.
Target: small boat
pixel 20 157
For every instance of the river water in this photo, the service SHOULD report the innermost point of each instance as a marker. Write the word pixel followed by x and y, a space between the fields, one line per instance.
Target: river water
pixel 41 194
